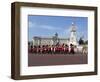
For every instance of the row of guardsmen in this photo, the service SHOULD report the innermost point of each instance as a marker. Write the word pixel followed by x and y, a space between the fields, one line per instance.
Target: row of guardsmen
pixel 54 49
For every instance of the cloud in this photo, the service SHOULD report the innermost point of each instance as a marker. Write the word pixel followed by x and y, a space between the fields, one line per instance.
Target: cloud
pixel 43 26
pixel 83 34
pixel 67 31
pixel 31 24
pixel 48 27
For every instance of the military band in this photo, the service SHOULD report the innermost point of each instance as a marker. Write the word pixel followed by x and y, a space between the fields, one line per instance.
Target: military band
pixel 52 49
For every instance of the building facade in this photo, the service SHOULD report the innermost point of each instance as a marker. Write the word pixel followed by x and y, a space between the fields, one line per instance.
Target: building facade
pixel 54 40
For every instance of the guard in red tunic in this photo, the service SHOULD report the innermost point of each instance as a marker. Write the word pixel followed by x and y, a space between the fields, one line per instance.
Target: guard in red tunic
pixel 48 49
pixel 59 49
pixel 34 49
pixel 43 49
pixel 72 49
pixel 63 49
pixel 56 49
pixel 53 49
pixel 66 49
pixel 39 49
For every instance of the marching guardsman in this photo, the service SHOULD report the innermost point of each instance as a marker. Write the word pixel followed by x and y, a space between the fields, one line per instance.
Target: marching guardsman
pixel 31 48
pixel 72 49
pixel 66 49
pixel 39 49
pixel 63 48
pixel 56 49
pixel 34 49
pixel 43 49
pixel 60 49
pixel 52 49
pixel 47 49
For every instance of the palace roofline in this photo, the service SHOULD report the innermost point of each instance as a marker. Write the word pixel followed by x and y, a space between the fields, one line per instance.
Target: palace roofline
pixel 49 38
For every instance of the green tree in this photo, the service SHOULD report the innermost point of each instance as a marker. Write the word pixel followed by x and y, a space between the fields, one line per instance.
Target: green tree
pixel 81 41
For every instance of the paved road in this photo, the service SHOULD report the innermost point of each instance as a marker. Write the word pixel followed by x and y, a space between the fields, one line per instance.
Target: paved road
pixel 56 59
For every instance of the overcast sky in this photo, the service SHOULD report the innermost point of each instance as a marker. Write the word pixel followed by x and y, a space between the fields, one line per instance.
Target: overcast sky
pixel 47 26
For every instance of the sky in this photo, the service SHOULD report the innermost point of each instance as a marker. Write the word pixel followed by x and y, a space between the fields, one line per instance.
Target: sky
pixel 47 26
